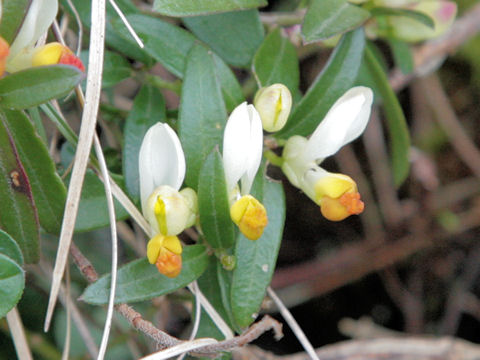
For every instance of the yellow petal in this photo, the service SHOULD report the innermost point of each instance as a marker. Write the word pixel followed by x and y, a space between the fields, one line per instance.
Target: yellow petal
pixel 250 216
pixel 153 248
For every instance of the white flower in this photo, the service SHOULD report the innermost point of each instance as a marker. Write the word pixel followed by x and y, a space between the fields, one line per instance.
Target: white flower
pixel 242 154
pixel 242 147
pixel 336 194
pixel 273 103
pixel 162 170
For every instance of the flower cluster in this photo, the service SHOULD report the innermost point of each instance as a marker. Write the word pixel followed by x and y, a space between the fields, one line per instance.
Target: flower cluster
pixel 23 52
pixel 170 210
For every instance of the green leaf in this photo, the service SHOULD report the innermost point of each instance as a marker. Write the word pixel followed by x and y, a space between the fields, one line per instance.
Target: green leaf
pixel 412 14
pixel 166 43
pixel 18 214
pixel 48 189
pixel 276 61
pixel 115 68
pixel 215 285
pixel 12 283
pixel 202 114
pixel 234 36
pixel 37 85
pixel 148 109
pixel 200 7
pixel 402 55
pixel 335 79
pixel 326 18
pixel 139 280
pixel 256 259
pixel 231 89
pixel 213 206
pixel 13 13
pixel 396 123
pixel 10 248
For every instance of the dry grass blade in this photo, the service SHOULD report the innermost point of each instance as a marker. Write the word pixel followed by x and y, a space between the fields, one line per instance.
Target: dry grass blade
pixel 16 329
pixel 89 117
pixel 113 228
pixel 293 324
pixel 68 334
pixel 180 349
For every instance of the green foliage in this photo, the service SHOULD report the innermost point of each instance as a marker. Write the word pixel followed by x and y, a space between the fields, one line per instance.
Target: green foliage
pixel 34 86
pixel 200 7
pixel 139 280
pixel 12 282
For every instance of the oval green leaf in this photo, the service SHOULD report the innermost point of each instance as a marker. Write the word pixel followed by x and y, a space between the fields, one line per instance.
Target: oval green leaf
pixel 213 206
pixel 335 79
pixel 115 68
pixel 412 14
pixel 231 90
pixel 234 36
pixel 34 86
pixel 256 259
pixel 202 114
pixel 18 214
pixel 201 7
pixel 148 109
pixel 276 61
pixel 396 122
pixel 10 248
pixel 12 283
pixel 326 18
pixel 139 280
pixel 48 189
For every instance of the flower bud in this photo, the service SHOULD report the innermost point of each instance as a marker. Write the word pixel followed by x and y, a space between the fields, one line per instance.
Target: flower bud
pixel 250 216
pixel 55 53
pixel 167 211
pixel 165 252
pixel 273 103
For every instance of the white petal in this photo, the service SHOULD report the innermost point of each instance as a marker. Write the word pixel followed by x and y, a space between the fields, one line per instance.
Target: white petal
pixel 235 143
pixel 345 121
pixel 39 17
pixel 161 160
pixel 254 149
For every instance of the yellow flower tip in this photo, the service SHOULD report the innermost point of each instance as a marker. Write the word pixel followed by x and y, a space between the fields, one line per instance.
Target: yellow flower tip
pixel 165 252
pixel 340 208
pixel 161 215
pixel 169 263
pixel 56 53
pixel 250 216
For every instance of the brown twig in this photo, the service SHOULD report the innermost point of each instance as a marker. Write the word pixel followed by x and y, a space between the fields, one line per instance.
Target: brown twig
pixel 165 340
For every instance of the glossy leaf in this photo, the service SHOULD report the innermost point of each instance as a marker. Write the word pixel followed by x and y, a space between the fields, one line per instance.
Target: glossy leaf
pixel 256 259
pixel 48 189
pixel 213 206
pixel 13 13
pixel 201 7
pixel 276 61
pixel 234 36
pixel 326 18
pixel 336 78
pixel 12 283
pixel 139 280
pixel 18 214
pixel 415 15
pixel 202 114
pixel 10 248
pixel 34 86
pixel 396 122
pixel 148 109
pixel 115 68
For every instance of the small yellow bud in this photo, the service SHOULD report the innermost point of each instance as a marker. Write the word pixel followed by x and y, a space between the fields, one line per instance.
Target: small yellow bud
pixel 48 54
pixel 338 197
pixel 273 103
pixel 250 216
pixel 165 252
